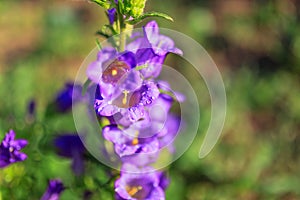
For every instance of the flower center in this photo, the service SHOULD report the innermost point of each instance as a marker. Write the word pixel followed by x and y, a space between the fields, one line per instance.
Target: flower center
pixel 11 149
pixel 115 71
pixel 135 141
pixel 127 99
pixel 134 191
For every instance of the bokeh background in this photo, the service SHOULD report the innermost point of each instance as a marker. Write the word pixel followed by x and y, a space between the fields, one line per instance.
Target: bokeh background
pixel 255 44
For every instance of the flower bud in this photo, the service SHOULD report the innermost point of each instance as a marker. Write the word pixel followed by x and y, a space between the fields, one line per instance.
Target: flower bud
pixel 134 8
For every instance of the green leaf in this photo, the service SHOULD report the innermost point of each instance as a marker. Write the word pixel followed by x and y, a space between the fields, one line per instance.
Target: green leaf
pixel 101 3
pixel 111 28
pixel 149 14
pixel 102 34
pixel 98 44
pixel 121 7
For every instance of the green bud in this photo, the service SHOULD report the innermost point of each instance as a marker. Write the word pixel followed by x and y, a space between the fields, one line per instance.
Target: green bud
pixel 134 8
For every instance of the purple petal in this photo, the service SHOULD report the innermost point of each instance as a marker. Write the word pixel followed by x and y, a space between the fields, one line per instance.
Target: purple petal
pixel 139 43
pixel 55 187
pixel 95 69
pixel 161 44
pixel 21 143
pixel 129 58
pixel 151 30
pixel 149 92
pixel 104 108
pixel 113 133
pixel 131 82
pixel 112 15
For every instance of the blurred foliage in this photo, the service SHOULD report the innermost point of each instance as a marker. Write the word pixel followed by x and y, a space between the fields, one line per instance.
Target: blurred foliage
pixel 256 45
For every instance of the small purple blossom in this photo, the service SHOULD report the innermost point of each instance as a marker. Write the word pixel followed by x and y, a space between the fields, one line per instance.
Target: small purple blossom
pixel 112 15
pixel 55 187
pixel 10 149
pixel 135 184
pixel 31 109
pixel 71 146
pixel 64 99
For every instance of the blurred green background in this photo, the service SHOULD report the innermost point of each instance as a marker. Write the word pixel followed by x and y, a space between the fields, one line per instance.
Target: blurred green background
pixel 255 44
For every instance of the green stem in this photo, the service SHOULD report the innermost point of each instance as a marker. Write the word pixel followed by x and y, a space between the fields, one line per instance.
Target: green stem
pixel 122 34
pixel 122 40
pixel 122 26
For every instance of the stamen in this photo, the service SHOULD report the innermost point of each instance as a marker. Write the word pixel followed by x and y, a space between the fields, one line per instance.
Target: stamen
pixel 135 141
pixel 133 190
pixel 124 100
pixel 114 72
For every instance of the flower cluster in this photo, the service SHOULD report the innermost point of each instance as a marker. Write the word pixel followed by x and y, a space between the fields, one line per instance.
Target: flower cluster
pixel 10 150
pixel 138 109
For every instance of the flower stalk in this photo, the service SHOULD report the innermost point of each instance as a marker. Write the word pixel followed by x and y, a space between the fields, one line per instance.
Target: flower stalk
pixel 127 91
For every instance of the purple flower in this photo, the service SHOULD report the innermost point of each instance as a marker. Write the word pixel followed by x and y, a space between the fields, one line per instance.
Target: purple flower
pixel 71 146
pixel 128 143
pixel 110 66
pixel 31 108
pixel 135 184
pixel 64 99
pixel 126 95
pixel 112 14
pixel 10 149
pixel 152 49
pixel 55 187
pixel 161 44
pixel 134 111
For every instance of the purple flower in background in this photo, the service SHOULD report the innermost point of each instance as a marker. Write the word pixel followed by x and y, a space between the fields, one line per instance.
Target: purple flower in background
pixel 112 14
pixel 134 184
pixel 71 146
pixel 31 108
pixel 55 187
pixel 64 99
pixel 10 149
